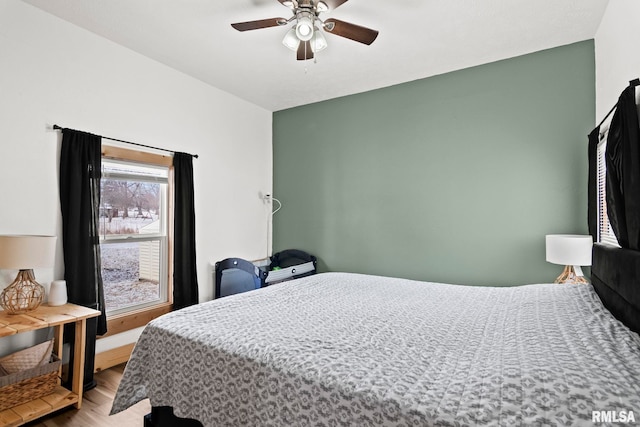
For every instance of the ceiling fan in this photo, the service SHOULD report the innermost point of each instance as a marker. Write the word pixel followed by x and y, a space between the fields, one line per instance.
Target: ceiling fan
pixel 305 36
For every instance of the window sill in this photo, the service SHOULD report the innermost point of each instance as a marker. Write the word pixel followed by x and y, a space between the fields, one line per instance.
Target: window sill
pixel 135 319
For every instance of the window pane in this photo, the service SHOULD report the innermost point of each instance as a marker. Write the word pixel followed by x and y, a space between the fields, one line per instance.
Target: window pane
pixel 131 273
pixel 133 230
pixel 131 207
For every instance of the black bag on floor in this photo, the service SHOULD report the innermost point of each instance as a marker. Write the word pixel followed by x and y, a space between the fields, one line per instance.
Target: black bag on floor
pixel 290 264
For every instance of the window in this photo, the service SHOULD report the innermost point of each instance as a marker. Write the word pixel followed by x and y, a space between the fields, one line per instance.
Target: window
pixel 134 230
pixel 605 232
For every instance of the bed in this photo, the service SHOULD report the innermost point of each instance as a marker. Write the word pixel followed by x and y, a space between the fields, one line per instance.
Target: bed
pixel 338 349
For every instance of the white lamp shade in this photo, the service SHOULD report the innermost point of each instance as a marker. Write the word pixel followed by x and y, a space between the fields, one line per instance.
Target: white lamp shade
pixel 569 249
pixel 291 40
pixel 27 252
pixel 304 28
pixel 318 42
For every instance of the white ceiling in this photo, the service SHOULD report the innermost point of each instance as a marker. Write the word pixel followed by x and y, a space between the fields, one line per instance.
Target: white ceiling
pixel 418 38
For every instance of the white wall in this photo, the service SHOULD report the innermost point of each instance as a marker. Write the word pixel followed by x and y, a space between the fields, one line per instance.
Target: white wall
pixel 52 72
pixel 617 53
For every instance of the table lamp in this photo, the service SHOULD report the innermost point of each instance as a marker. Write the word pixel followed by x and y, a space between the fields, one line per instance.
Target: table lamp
pixel 572 251
pixel 24 253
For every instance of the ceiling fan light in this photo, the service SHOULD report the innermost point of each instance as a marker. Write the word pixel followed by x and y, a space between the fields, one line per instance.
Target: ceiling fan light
pixel 290 40
pixel 318 42
pixel 304 29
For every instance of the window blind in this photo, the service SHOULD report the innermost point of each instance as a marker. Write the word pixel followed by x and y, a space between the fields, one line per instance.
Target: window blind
pixel 605 232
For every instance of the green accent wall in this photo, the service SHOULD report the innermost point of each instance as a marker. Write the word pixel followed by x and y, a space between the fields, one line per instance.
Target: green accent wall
pixel 455 178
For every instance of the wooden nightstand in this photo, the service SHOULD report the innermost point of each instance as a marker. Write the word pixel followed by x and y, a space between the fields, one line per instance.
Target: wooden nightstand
pixel 45 317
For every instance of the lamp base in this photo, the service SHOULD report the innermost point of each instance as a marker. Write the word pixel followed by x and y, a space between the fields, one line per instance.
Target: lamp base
pixel 572 275
pixel 23 295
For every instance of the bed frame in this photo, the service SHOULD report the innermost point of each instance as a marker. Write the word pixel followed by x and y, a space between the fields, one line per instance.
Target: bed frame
pixel 615 275
pixel 163 416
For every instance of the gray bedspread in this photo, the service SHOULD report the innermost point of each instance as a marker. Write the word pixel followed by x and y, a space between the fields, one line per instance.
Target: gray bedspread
pixel 340 349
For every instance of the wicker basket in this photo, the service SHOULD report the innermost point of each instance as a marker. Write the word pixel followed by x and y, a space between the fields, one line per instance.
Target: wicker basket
pixel 24 386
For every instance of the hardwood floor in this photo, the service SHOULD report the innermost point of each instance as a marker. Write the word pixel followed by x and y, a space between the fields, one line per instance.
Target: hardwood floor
pixel 96 405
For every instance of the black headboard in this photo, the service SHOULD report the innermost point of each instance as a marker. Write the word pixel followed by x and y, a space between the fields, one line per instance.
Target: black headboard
pixel 615 275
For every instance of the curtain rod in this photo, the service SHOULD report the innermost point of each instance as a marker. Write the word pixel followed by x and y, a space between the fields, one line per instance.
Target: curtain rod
pixel 56 127
pixel 634 83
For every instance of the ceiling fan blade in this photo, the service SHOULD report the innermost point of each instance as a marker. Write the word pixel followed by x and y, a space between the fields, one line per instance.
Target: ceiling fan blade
pixel 304 51
pixel 351 31
pixel 334 3
pixel 261 23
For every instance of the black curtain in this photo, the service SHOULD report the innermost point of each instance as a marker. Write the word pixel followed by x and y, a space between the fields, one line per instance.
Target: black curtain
pixel 185 279
pixel 623 171
pixel 80 171
pixel 592 185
